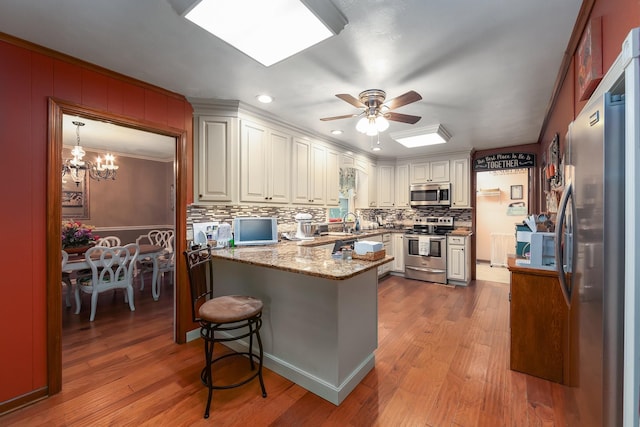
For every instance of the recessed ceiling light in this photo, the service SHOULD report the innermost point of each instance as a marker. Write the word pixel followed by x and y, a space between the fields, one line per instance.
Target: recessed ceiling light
pixel 336 132
pixel 268 31
pixel 376 148
pixel 265 99
pixel 431 135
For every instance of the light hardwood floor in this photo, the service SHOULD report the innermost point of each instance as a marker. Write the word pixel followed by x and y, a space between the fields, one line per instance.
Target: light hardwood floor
pixel 442 360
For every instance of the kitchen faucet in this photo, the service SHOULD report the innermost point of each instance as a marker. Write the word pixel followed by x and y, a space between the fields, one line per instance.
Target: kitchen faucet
pixel 344 220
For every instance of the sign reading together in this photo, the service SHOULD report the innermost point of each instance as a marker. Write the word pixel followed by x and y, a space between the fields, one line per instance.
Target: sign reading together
pixel 502 161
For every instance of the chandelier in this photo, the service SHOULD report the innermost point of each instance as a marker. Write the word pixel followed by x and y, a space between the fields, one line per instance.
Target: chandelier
pixel 77 168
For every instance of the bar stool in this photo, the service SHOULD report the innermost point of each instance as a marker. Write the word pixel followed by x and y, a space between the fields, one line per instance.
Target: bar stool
pixel 231 317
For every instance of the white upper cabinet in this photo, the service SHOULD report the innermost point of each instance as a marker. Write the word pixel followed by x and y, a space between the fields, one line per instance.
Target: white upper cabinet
pixel 402 186
pixel 373 185
pixel 214 169
pixel 460 183
pixel 333 177
pixel 436 171
pixel 264 165
pixel 309 172
pixel 386 187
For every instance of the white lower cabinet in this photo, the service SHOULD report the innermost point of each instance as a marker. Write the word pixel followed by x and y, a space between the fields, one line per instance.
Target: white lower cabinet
pixel 458 260
pixel 397 265
pixel 386 242
pixel 388 248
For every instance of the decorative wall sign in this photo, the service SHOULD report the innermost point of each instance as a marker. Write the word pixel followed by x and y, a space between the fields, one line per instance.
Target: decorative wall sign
pixel 502 161
pixel 589 59
pixel 553 170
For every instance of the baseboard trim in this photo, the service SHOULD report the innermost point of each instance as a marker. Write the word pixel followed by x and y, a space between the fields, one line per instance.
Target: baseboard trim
pixel 306 380
pixel 24 400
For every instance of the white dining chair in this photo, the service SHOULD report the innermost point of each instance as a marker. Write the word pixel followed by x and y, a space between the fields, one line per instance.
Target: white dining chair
pixel 108 241
pixel 66 279
pixel 164 239
pixel 111 268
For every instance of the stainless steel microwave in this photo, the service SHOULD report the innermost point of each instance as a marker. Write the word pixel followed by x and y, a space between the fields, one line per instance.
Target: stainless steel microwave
pixel 424 195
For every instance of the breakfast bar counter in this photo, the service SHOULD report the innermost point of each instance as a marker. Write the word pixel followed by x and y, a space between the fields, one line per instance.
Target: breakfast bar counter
pixel 320 316
pixel 299 258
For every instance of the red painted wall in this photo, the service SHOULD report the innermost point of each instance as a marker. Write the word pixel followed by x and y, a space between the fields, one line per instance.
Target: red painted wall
pixel 28 76
pixel 618 18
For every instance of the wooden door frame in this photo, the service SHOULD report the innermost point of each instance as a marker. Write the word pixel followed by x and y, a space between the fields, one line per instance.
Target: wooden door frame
pixel 54 217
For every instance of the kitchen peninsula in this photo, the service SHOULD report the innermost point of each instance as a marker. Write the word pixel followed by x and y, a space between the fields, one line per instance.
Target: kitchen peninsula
pixel 320 318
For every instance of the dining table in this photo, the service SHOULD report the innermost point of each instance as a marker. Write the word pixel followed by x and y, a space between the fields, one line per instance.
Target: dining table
pixel 78 262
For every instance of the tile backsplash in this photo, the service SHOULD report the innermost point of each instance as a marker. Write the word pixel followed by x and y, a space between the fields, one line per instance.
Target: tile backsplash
pixel 286 215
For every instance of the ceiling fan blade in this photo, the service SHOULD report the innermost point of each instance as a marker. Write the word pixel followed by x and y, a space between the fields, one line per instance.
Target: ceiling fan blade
pixel 351 100
pixel 346 116
pixel 404 99
pixel 404 118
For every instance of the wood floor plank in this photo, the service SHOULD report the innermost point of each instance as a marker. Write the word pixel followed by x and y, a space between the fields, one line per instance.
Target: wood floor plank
pixel 442 360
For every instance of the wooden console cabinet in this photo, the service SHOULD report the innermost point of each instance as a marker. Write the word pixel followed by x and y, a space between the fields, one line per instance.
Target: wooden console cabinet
pixel 539 320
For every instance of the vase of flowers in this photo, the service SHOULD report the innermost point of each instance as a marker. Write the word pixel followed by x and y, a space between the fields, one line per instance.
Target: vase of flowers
pixel 77 237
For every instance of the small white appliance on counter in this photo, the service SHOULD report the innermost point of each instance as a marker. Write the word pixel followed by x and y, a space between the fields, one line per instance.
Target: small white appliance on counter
pixel 543 250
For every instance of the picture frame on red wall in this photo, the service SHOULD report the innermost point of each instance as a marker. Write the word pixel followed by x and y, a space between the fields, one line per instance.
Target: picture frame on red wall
pixel 589 59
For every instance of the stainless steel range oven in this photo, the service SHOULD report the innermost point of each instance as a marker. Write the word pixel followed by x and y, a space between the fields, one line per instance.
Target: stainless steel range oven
pixel 425 256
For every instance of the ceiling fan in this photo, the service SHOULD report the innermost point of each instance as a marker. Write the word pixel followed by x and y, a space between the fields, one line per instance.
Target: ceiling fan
pixel 375 111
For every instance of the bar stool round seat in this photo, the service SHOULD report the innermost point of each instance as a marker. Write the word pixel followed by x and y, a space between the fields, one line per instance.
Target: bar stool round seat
pixel 230 308
pixel 223 319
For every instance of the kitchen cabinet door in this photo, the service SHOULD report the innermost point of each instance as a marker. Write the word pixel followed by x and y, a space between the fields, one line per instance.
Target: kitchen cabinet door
pixel 332 178
pixel 427 172
pixel 398 253
pixel 309 175
pixel 264 168
pixel 456 263
pixel 402 186
pixel 460 183
pixel 373 185
pixel 214 171
pixel 439 171
pixel 386 196
pixel 458 260
pixel 540 325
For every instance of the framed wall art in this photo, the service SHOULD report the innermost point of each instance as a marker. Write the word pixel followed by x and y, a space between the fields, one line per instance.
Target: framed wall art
pixel 516 192
pixel 589 59
pixel 75 198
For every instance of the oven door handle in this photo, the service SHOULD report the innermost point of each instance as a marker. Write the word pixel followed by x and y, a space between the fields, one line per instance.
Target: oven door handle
pixel 424 270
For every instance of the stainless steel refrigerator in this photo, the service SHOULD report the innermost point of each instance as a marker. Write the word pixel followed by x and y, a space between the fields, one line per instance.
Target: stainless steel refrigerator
pixel 590 260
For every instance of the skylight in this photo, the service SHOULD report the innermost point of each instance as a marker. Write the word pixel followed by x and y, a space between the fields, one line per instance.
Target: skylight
pixel 430 135
pixel 267 31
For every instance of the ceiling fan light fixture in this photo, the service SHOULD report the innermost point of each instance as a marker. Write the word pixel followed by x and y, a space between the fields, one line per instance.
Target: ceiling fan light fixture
pixel 372 125
pixel 362 125
pixel 431 135
pixel 268 31
pixel 382 124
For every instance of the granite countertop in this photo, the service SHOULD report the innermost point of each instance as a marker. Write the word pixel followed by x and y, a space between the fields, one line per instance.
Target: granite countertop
pixel 363 235
pixel 303 259
pixel 461 232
